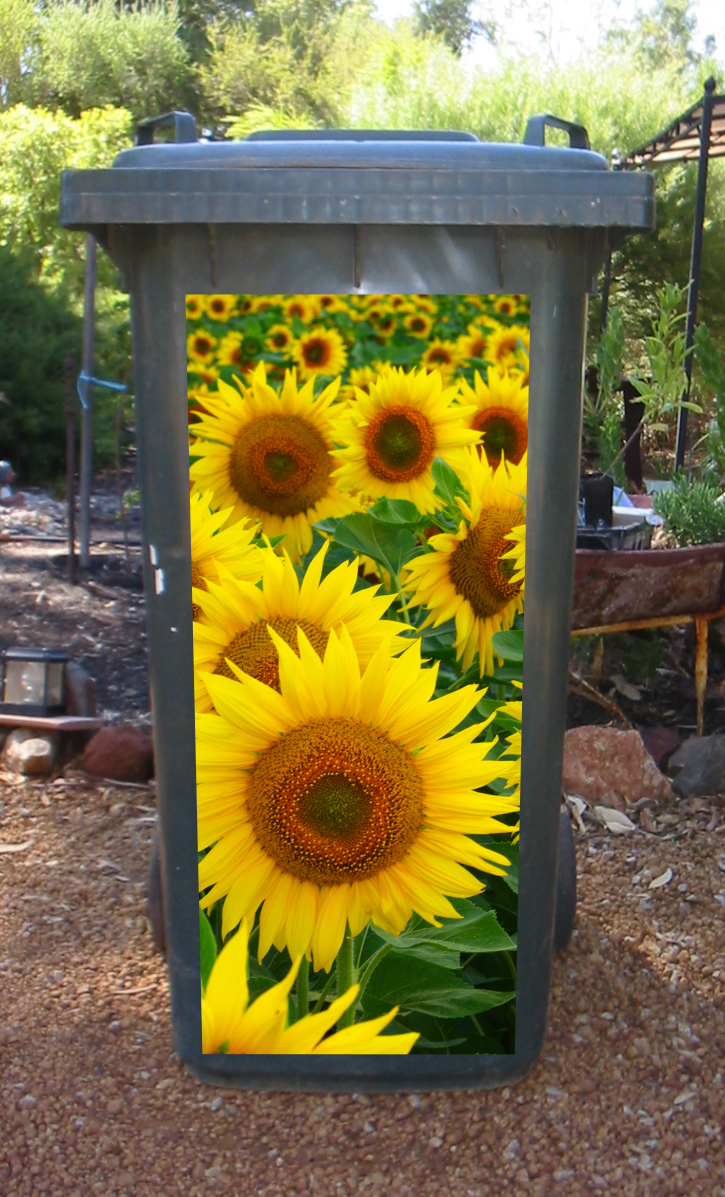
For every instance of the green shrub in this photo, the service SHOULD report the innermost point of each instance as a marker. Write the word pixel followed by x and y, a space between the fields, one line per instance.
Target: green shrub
pixel 691 512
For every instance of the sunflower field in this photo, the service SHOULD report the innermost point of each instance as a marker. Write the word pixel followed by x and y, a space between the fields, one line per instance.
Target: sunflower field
pixel 358 517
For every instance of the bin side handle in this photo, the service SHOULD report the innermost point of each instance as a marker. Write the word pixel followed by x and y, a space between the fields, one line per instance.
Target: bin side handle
pixel 536 131
pixel 183 122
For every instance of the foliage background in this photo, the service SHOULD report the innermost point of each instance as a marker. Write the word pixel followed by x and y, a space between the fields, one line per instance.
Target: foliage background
pixel 74 76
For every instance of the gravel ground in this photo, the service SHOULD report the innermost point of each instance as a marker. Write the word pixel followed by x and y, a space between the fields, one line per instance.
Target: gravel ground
pixel 626 1099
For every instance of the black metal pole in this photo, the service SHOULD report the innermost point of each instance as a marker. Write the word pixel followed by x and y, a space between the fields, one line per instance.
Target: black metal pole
pixel 606 287
pixel 70 402
pixel 695 263
pixel 86 467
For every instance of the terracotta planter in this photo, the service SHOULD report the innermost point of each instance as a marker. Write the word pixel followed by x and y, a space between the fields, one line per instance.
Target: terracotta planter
pixel 615 587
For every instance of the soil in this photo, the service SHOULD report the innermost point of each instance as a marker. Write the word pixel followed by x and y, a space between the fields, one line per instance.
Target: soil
pixel 627 1097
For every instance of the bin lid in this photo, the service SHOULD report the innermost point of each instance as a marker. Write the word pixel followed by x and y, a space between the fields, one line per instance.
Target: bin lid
pixel 360 177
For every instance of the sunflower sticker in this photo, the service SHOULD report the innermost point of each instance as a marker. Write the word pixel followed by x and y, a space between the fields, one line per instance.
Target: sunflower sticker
pixel 358 528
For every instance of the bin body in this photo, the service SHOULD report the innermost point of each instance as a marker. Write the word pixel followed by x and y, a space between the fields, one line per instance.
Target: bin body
pixel 347 217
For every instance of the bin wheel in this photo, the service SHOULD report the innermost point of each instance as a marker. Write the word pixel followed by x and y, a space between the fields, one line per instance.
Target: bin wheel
pixel 154 895
pixel 565 910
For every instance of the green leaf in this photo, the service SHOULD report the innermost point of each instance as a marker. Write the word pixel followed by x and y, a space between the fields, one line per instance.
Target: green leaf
pixel 401 980
pixel 448 484
pixel 509 645
pixel 207 943
pixel 395 511
pixel 476 931
pixel 389 545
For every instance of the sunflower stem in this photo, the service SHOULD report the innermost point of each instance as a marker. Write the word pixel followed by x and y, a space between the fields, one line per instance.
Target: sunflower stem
pixel 345 978
pixel 402 597
pixel 510 964
pixel 328 986
pixel 303 999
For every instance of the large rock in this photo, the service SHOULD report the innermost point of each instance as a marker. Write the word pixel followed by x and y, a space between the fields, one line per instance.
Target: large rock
pixel 699 766
pixel 28 752
pixel 602 761
pixel 120 754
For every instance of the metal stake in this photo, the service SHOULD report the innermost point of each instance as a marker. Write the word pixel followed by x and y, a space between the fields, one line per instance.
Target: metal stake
pixel 86 472
pixel 69 403
pixel 695 263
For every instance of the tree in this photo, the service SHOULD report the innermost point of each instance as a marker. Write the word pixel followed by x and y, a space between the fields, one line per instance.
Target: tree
pixel 18 42
pixel 451 20
pixel 661 38
pixel 94 53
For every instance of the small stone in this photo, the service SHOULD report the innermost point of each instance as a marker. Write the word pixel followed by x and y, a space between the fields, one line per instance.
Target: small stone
pixel 27 1101
pixel 114 1027
pixel 435 1142
pixel 599 760
pixel 30 754
pixel 647 820
pixel 120 754
pixel 699 766
pixel 512 1150
pixel 115 1106
pixel 216 1105
pixel 415 1100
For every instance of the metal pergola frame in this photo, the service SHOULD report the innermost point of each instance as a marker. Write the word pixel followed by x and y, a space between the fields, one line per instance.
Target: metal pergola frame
pixel 698 135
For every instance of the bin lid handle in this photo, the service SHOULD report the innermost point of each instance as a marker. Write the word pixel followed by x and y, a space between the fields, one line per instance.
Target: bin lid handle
pixel 536 131
pixel 183 122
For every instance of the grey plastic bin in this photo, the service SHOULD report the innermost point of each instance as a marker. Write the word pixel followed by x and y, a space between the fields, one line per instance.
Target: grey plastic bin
pixel 341 212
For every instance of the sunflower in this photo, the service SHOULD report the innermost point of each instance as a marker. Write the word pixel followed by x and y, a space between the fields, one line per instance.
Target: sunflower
pixel 418 324
pixel 463 576
pixel 236 616
pixel 279 338
pixel 231 1025
pixel 232 548
pixel 392 436
pixel 503 347
pixel 473 342
pixel 235 350
pixel 400 303
pixel 505 305
pixel 361 378
pixel 209 375
pixel 442 355
pixel 268 455
pixel 200 346
pixel 262 303
pixel 341 799
pixel 302 306
pixel 424 303
pixel 332 303
pixel 501 414
pixel 195 306
pixel 517 553
pixel 320 351
pixel 220 307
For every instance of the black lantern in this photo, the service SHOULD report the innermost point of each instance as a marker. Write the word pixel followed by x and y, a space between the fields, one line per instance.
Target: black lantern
pixel 33 681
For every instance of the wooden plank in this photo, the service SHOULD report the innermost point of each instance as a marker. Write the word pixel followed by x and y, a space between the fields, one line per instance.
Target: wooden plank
pixel 63 723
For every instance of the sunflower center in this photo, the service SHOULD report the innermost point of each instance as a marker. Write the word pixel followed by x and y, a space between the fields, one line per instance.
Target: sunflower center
pixel 316 352
pixel 254 653
pixel 476 570
pixel 335 801
pixel 279 340
pixel 280 464
pixel 198 580
pixel 400 444
pixel 503 430
pixel 440 355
